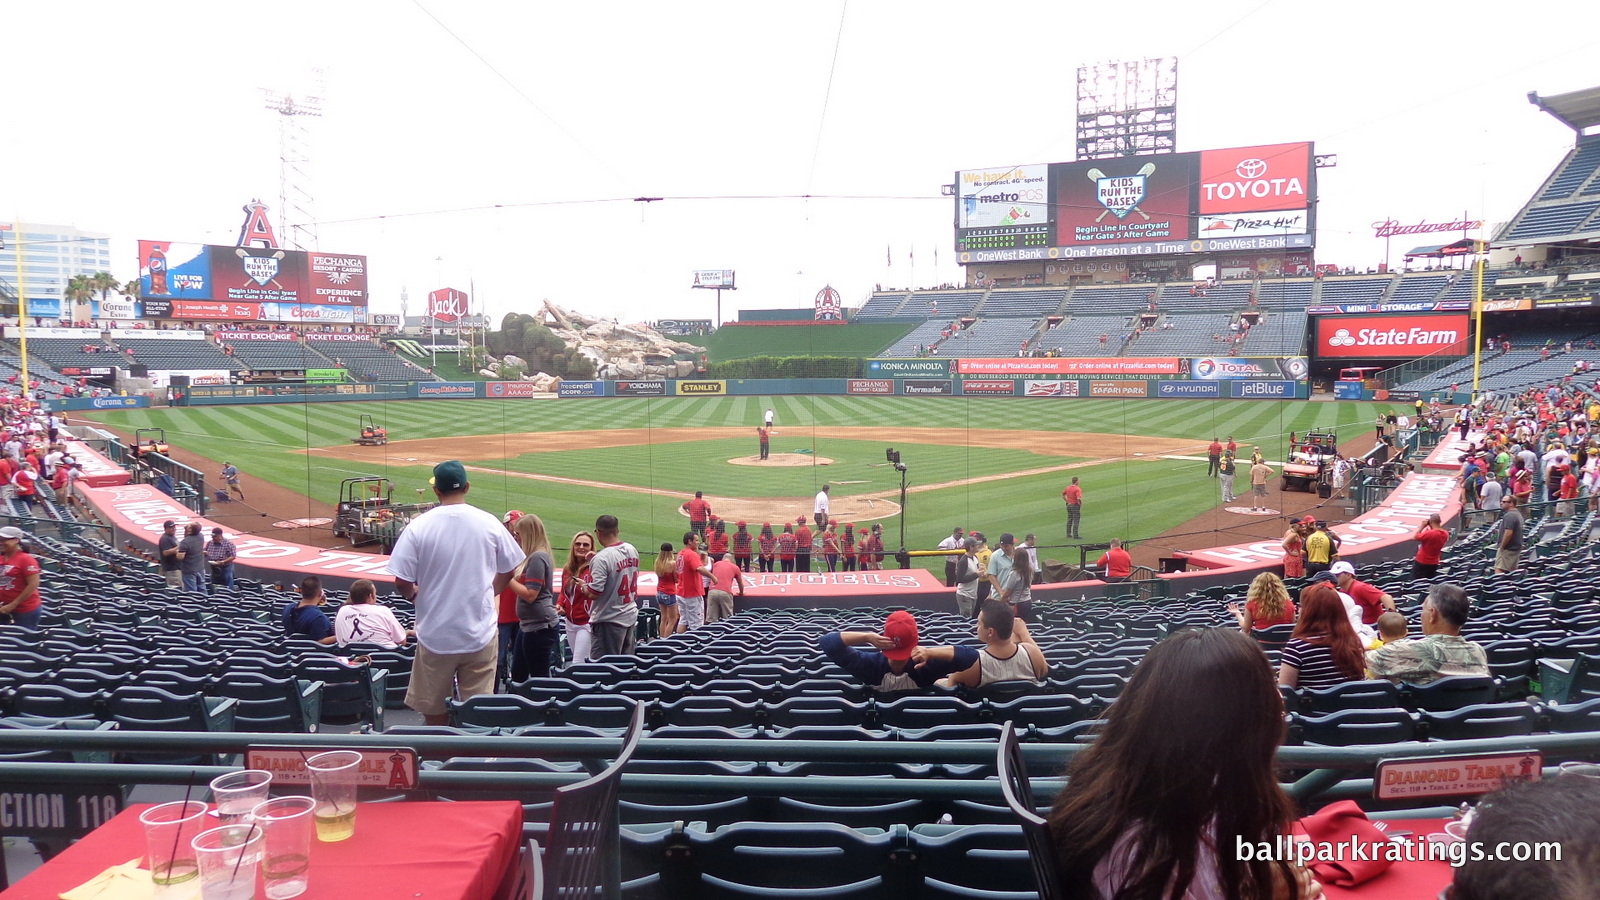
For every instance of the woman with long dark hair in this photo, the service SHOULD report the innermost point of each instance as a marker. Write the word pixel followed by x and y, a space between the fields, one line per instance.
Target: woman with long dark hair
pixel 1324 649
pixel 1183 769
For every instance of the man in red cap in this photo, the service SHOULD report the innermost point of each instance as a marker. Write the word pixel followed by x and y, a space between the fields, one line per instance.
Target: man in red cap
pixel 892 668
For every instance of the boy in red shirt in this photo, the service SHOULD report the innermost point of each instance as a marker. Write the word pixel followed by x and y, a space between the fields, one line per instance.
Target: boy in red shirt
pixel 1431 539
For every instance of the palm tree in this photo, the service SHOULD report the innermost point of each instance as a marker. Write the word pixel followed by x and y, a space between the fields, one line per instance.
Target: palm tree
pixel 130 290
pixel 102 283
pixel 80 289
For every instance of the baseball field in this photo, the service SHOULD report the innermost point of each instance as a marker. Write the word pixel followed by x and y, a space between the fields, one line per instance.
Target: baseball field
pixel 989 464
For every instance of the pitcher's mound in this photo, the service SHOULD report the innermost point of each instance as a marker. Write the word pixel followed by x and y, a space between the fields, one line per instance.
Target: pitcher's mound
pixel 778 510
pixel 1247 511
pixel 782 459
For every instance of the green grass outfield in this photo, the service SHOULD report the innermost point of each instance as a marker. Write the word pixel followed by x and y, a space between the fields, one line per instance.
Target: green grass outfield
pixel 1131 499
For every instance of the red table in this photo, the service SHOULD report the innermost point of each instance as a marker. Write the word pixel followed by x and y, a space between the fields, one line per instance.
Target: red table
pixel 422 851
pixel 1420 880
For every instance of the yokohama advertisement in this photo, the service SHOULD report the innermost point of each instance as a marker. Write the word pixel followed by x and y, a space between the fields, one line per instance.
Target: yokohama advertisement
pixel 1150 365
pixel 1391 337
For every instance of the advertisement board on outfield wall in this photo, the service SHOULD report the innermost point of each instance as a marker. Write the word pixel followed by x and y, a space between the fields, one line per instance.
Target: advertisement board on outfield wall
pixel 1391 337
pixel 908 367
pixel 1119 388
pixel 581 389
pixel 702 388
pixel 1218 368
pixel 447 389
pixel 501 389
pixel 1005 387
pixel 1031 388
pixel 1263 390
pixel 1188 389
pixel 869 386
pixel 1151 365
pixel 653 388
pixel 926 387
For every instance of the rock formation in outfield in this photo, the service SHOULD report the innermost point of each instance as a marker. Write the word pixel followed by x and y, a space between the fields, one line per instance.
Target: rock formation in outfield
pixel 617 350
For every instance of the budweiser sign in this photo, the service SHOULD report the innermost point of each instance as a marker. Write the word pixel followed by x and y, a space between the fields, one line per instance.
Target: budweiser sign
pixel 1391 228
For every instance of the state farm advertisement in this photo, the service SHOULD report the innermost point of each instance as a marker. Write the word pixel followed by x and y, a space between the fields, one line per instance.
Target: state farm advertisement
pixel 1273 178
pixel 1391 337
pixel 1152 365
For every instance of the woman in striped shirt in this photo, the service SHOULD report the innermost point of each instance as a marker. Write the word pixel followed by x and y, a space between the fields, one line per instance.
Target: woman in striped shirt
pixel 1324 650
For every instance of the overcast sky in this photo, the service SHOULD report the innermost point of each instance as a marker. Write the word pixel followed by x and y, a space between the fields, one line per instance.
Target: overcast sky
pixel 485 156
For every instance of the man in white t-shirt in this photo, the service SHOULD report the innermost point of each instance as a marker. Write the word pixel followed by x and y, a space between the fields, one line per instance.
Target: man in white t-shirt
pixel 819 509
pixel 452 562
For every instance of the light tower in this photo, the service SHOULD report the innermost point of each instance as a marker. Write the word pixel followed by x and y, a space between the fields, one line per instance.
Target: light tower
pixel 1128 108
pixel 297 225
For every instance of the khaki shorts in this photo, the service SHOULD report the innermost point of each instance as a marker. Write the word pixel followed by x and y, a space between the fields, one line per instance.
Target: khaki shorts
pixel 436 677
pixel 1507 560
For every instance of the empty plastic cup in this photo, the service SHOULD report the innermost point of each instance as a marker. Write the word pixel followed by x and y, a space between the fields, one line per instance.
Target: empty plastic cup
pixel 333 784
pixel 287 862
pixel 236 793
pixel 229 857
pixel 168 830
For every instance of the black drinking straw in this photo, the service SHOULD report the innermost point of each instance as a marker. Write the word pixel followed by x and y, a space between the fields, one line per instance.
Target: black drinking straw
pixel 177 833
pixel 312 771
pixel 243 849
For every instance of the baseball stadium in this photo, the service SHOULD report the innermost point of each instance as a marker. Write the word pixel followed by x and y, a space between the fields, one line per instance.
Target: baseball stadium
pixel 1030 583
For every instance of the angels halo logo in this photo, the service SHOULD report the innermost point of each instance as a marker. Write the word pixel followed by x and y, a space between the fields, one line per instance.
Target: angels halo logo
pixel 1251 168
pixel 261 269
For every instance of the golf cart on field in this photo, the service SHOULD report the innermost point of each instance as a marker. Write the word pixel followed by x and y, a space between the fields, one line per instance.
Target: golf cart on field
pixel 1309 466
pixel 368 514
pixel 371 434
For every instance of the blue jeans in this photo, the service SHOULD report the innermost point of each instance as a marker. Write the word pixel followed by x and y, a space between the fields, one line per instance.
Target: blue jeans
pixel 507 641
pixel 27 621
pixel 222 575
pixel 194 582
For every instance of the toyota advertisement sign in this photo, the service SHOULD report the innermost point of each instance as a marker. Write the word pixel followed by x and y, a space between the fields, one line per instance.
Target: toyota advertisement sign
pixel 1240 199
pixel 1391 337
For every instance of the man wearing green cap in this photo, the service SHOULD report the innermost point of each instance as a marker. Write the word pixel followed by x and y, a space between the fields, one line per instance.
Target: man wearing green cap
pixel 452 562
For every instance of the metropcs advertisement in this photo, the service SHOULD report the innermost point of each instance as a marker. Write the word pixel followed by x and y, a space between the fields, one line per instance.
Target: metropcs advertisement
pixel 1391 337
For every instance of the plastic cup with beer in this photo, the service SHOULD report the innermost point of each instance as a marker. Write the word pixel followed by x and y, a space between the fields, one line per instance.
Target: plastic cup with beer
pixel 287 822
pixel 333 785
pixel 236 793
pixel 229 857
pixel 168 830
